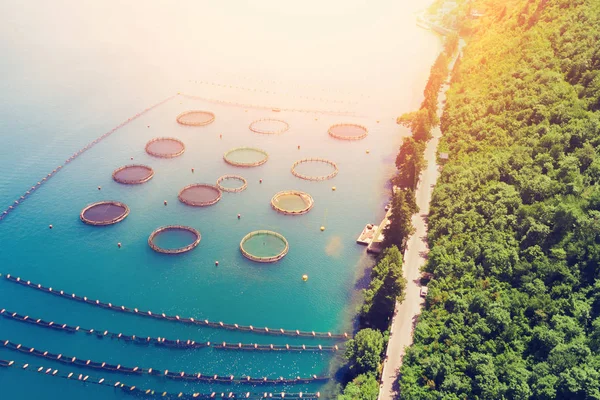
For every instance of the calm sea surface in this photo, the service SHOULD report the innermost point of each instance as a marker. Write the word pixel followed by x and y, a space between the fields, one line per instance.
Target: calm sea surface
pixel 72 70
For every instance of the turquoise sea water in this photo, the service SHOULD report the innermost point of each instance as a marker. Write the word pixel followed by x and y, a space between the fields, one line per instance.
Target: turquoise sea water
pixel 71 72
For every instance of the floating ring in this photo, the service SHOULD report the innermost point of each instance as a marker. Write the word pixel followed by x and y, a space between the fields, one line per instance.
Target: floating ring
pixel 189 118
pixel 232 177
pixel 199 189
pixel 348 131
pixel 238 163
pixel 179 250
pixel 141 174
pixel 315 178
pixel 305 198
pixel 104 208
pixel 264 259
pixel 153 151
pixel 254 126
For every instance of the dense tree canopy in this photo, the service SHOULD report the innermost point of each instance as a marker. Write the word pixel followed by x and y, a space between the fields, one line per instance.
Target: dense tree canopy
pixel 513 311
pixel 386 287
pixel 364 351
pixel 363 387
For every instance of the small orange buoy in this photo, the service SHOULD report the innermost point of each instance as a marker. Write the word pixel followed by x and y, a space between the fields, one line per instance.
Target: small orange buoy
pixel 165 202
pixel 132 158
pixel 119 244
pixel 298 147
pixel 333 188
pixel 260 181
pixel 99 187
pixel 192 169
pixel 148 126
pixel 50 226
pixel 221 136
pixel 239 216
pixel 368 151
pixel 304 277
pixel 217 263
pixel 322 228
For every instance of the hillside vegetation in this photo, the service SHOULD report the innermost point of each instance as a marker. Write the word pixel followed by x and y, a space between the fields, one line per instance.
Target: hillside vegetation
pixel 513 311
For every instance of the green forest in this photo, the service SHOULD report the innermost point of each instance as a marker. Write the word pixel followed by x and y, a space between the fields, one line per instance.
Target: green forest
pixel 513 310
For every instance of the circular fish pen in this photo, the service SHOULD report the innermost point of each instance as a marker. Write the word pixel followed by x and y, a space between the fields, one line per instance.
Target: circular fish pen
pixel 269 126
pixel 317 162
pixel 246 157
pixel 104 213
pixel 195 118
pixel 348 131
pixel 165 147
pixel 199 195
pixel 292 202
pixel 134 174
pixel 264 246
pixel 224 183
pixel 174 239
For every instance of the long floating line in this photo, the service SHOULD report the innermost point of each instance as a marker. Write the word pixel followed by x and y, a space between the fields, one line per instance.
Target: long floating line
pixel 212 378
pixel 273 92
pixel 297 85
pixel 45 179
pixel 163 342
pixel 176 318
pixel 303 110
pixel 86 379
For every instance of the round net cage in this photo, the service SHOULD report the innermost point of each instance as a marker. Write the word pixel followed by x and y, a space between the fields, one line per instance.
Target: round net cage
pixel 104 213
pixel 348 131
pixel 196 118
pixel 232 183
pixel 315 169
pixel 246 157
pixel 133 174
pixel 165 147
pixel 292 202
pixel 264 246
pixel 269 126
pixel 199 195
pixel 174 239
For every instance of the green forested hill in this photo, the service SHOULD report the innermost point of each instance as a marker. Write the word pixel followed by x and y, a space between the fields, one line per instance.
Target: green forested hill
pixel 514 309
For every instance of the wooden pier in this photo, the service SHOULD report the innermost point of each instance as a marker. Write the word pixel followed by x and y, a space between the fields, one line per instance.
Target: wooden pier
pixel 367 235
pixel 376 245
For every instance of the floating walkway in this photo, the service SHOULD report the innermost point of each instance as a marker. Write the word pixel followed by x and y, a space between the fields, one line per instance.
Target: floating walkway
pixel 149 393
pixel 177 318
pixel 163 342
pixel 78 153
pixel 211 378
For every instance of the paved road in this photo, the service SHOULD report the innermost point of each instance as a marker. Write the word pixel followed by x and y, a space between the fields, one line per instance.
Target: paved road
pixel 405 315
pixel 414 257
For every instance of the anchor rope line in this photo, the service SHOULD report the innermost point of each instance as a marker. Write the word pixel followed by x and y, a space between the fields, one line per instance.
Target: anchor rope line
pixel 176 318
